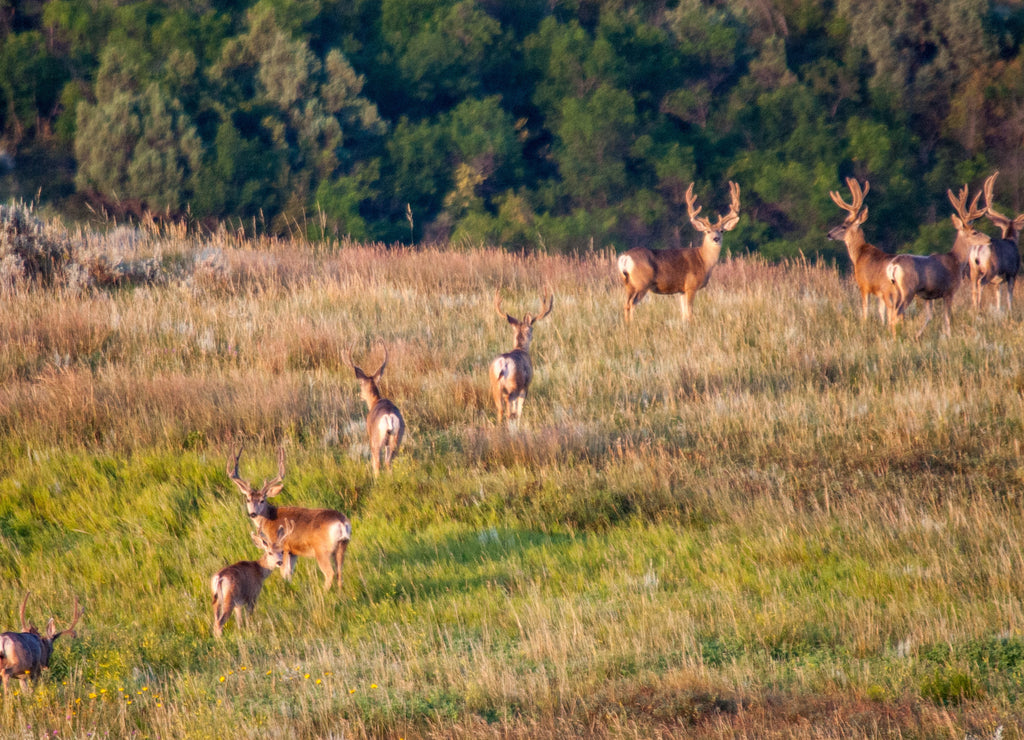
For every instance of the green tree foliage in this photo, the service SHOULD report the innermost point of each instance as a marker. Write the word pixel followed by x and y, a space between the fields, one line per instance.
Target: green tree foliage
pixel 534 124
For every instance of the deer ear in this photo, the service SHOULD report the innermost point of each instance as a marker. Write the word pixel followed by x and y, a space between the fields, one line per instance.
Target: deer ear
pixel 51 628
pixel 274 489
pixel 512 320
pixel 242 486
pixel 863 215
pixel 958 223
pixel 730 223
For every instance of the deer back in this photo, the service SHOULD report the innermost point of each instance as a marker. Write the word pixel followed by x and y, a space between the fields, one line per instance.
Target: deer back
pixel 315 531
pixel 667 271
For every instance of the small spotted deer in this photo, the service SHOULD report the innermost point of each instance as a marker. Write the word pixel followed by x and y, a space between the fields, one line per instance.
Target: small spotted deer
pixel 322 534
pixel 685 270
pixel 24 654
pixel 238 585
pixel 384 423
pixel 512 372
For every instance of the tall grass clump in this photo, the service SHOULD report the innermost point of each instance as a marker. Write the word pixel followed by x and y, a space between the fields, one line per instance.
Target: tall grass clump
pixel 772 521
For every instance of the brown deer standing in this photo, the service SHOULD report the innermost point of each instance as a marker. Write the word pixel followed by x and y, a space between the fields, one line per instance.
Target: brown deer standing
pixel 684 270
pixel 512 372
pixel 322 534
pixel 869 262
pixel 238 585
pixel 384 423
pixel 937 276
pixel 998 261
pixel 24 654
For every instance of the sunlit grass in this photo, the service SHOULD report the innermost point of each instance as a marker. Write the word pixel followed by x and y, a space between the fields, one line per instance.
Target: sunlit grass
pixel 773 521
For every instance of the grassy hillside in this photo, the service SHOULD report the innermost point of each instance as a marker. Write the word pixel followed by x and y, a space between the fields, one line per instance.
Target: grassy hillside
pixel 776 521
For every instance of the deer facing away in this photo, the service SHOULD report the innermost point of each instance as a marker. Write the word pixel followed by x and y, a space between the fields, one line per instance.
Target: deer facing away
pixel 238 585
pixel 322 534
pixel 384 423
pixel 512 372
pixel 937 276
pixel 24 654
pixel 683 270
pixel 869 262
pixel 997 262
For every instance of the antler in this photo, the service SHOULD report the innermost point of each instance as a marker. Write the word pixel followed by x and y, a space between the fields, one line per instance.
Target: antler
pixel 380 370
pixel 355 368
pixel 268 484
pixel 233 473
pixel 545 305
pixel 858 196
pixel 21 613
pixel 78 612
pixel 702 224
pixel 960 204
pixel 497 305
pixel 994 216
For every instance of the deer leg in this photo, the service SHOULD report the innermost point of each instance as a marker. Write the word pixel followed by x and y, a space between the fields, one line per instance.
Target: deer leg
pixel 288 566
pixel 881 307
pixel 1009 294
pixel 519 403
pixel 927 318
pixel 326 567
pixel 499 398
pixel 685 302
pixel 339 559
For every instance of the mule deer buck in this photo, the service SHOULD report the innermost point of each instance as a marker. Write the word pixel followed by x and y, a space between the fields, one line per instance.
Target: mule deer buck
pixel 322 534
pixel 683 270
pixel 998 261
pixel 384 423
pixel 238 585
pixel 512 372
pixel 937 276
pixel 24 654
pixel 869 262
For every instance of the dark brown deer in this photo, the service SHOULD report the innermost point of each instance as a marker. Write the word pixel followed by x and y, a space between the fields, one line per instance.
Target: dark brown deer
pixel 384 423
pixel 322 534
pixel 238 585
pixel 937 276
pixel 25 654
pixel 997 262
pixel 869 262
pixel 512 372
pixel 684 270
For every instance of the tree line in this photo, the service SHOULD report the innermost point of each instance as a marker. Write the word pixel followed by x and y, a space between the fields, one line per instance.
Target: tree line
pixel 532 124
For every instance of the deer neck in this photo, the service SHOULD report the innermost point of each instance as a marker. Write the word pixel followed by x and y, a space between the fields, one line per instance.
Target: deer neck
pixel 710 250
pixel 961 248
pixel 270 516
pixel 370 394
pixel 855 243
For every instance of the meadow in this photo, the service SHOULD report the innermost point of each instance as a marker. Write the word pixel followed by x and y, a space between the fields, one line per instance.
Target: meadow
pixel 774 521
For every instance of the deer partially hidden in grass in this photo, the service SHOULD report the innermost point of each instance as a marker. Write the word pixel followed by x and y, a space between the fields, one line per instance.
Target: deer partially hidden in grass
pixel 322 534
pixel 869 262
pixel 23 655
pixel 238 585
pixel 937 276
pixel 512 372
pixel 684 270
pixel 384 423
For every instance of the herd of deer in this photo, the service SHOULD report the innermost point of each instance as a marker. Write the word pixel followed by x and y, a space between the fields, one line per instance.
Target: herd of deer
pixel 285 533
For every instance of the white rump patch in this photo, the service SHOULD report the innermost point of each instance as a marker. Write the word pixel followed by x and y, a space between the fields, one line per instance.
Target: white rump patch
pixel 625 264
pixel 502 367
pixel 388 424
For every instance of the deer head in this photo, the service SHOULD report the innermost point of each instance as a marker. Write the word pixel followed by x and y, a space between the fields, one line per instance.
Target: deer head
pixel 713 232
pixel 523 328
pixel 273 549
pixel 256 498
pixel 52 632
pixel 1010 228
pixel 368 381
pixel 856 212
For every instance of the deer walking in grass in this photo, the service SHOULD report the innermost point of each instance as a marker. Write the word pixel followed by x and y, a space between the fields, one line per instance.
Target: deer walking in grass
pixel 869 262
pixel 512 372
pixel 238 586
pixel 937 276
pixel 322 534
pixel 683 270
pixel 997 262
pixel 23 655
pixel 384 423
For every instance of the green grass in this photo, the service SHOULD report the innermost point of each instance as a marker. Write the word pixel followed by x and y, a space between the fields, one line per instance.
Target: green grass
pixel 775 521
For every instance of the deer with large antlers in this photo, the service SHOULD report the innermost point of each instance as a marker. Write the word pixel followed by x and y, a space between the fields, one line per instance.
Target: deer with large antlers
pixel 869 262
pixel 384 423
pixel 512 372
pixel 238 585
pixel 937 276
pixel 997 262
pixel 682 270
pixel 322 534
pixel 24 654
